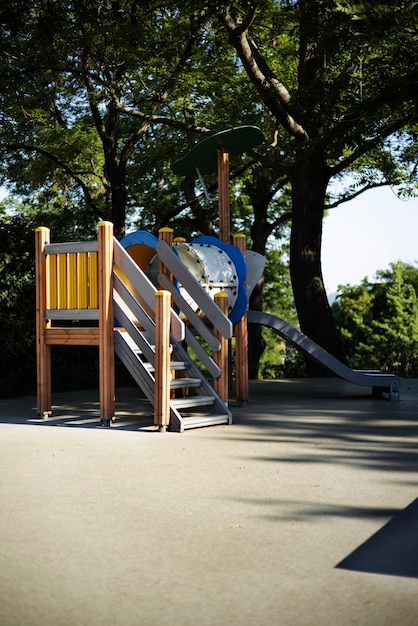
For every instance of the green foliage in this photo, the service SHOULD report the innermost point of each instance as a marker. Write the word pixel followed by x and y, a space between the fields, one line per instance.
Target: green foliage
pixel 97 99
pixel 278 359
pixel 72 367
pixel 17 306
pixel 379 321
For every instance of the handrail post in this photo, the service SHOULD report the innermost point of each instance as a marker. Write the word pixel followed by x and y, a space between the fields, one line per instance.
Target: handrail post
pixel 220 384
pixel 241 341
pixel 43 350
pixel 162 359
pixel 106 323
pixel 166 234
pixel 223 196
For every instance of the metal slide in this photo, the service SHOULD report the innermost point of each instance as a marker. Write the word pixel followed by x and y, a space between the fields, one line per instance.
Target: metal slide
pixel 381 383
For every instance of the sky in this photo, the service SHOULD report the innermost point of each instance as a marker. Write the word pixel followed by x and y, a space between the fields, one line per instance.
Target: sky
pixel 366 235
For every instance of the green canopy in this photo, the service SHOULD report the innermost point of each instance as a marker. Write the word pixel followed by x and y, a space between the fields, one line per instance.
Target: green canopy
pixel 204 154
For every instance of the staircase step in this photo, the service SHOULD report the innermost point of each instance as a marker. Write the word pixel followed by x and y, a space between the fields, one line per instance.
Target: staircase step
pixel 179 365
pixel 174 365
pixel 192 401
pixel 198 409
pixel 183 383
pixel 200 421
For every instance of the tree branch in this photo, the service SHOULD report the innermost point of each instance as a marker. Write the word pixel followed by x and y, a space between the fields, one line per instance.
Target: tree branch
pixel 286 217
pixel 368 145
pixel 273 93
pixel 162 96
pixel 52 157
pixel 347 198
pixel 156 119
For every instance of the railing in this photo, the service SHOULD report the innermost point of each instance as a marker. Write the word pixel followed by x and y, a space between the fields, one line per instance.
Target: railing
pixel 220 327
pixel 72 274
pixel 135 298
pixel 74 282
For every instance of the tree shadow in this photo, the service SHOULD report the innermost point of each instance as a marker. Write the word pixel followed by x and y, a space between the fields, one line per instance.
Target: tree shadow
pixel 392 551
pixel 133 412
pixel 331 422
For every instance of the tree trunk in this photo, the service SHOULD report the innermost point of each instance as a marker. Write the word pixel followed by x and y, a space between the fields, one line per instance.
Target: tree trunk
pixel 116 197
pixel 256 341
pixel 260 232
pixel 309 178
pixel 119 205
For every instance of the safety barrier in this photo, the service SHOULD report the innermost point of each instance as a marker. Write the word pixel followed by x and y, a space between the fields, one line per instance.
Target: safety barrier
pixel 74 283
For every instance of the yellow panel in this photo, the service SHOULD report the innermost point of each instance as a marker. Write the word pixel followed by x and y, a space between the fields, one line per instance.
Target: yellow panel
pixel 72 281
pixel 93 294
pixel 62 281
pixel 51 286
pixel 82 281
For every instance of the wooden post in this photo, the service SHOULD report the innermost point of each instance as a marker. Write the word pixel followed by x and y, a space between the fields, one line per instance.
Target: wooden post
pixel 223 195
pixel 166 234
pixel 162 359
pixel 220 384
pixel 106 321
pixel 241 342
pixel 43 350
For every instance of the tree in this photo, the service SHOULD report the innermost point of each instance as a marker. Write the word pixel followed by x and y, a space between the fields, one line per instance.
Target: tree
pixel 99 96
pixel 346 106
pixel 378 321
pixel 17 302
pixel 17 311
pixel 83 82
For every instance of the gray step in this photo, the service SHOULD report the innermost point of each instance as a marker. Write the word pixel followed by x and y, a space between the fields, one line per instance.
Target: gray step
pixel 179 365
pixel 192 401
pixel 183 383
pixel 174 365
pixel 192 411
pixel 200 421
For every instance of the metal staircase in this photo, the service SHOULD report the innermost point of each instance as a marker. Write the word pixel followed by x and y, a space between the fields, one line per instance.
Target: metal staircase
pixel 193 402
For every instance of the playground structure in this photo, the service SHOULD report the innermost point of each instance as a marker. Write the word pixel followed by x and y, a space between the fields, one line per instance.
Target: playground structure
pixel 99 282
pixel 103 294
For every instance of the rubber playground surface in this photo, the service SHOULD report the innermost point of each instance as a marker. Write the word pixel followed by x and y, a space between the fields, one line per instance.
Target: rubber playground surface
pixel 304 511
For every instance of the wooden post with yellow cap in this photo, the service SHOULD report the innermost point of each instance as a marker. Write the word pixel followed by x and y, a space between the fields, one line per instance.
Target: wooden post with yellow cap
pixel 162 359
pixel 43 350
pixel 220 357
pixel 241 341
pixel 166 234
pixel 106 323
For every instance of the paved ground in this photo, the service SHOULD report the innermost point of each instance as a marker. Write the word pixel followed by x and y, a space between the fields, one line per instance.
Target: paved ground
pixel 303 512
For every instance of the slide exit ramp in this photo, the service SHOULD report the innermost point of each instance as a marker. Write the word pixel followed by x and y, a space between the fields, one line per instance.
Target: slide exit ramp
pixel 387 384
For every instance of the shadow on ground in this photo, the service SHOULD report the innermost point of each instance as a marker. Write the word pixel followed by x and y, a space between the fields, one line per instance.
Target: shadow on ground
pixel 393 550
